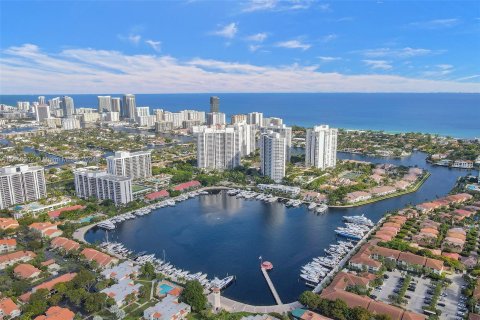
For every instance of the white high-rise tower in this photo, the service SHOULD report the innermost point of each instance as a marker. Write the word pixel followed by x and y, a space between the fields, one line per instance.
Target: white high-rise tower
pixel 321 147
pixel 273 153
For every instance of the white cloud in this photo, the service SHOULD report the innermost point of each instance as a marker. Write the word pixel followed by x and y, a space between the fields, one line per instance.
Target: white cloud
pixel 156 45
pixel 229 31
pixel 329 59
pixel 468 77
pixel 329 37
pixel 279 5
pixel 439 70
pixel 406 52
pixel 325 7
pixel 258 37
pixel 435 24
pixel 378 64
pixel 28 69
pixel 254 47
pixel 131 37
pixel 294 44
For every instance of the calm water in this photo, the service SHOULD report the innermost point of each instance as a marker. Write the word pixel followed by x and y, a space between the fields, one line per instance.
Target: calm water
pixel 447 114
pixel 219 234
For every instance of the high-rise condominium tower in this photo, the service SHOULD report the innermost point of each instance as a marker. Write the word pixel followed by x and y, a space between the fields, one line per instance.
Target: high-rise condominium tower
pixel 129 106
pixel 116 104
pixel 273 155
pixel 136 165
pixel 104 104
pixel 21 183
pixel 321 147
pixel 214 104
pixel 217 149
pixel 67 106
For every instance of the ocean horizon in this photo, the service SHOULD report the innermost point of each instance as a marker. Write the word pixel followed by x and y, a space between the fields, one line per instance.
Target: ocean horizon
pixel 448 114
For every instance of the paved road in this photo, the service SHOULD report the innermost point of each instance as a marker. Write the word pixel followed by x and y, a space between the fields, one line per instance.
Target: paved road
pixel 453 292
pixel 416 302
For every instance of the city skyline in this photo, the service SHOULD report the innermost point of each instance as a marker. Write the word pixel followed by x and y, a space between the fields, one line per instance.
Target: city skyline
pixel 249 46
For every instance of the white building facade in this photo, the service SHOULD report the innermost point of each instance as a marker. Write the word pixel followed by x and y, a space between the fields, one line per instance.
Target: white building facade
pixel 20 184
pixel 217 148
pixel 321 147
pixel 92 182
pixel 136 165
pixel 273 153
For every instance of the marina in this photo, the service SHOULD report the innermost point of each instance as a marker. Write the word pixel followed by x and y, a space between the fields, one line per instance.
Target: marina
pixel 219 234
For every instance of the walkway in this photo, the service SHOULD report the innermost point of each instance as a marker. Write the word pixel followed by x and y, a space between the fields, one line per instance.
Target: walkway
pixel 235 306
pixel 272 287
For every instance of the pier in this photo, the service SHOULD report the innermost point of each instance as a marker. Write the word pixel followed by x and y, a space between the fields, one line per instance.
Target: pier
pixel 270 284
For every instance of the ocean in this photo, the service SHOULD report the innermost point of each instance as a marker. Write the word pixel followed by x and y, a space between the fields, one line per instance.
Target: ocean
pixel 452 114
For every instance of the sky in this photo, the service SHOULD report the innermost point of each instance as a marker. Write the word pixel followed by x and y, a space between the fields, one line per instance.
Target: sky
pixel 52 47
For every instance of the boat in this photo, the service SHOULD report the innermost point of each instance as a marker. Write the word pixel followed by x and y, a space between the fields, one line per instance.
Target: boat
pixel 348 234
pixel 321 208
pixel 360 220
pixel 312 206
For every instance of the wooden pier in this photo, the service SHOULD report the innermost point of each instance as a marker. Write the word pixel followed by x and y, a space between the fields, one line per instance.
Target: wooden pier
pixel 272 288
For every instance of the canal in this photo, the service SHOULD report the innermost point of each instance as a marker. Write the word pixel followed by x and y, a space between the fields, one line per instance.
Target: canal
pixel 219 234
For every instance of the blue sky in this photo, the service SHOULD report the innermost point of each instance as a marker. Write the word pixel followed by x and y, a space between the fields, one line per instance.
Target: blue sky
pixel 239 46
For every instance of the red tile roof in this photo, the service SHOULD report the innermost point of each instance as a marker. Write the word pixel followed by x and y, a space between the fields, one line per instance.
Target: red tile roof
pixel 158 194
pixel 57 313
pixel 434 264
pixel 65 244
pixel 94 255
pixel 7 306
pixel 187 185
pixel 67 277
pixel 25 271
pixel 377 307
pixel 409 315
pixel 351 299
pixel 56 213
pixel 14 256
pixel 411 258
pixel 8 242
pixel 8 223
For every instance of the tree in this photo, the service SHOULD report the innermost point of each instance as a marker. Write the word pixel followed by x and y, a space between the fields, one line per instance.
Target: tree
pixel 76 296
pixel 193 295
pixel 84 279
pixel 95 302
pixel 148 270
pixel 359 313
pixel 309 299
pixel 37 303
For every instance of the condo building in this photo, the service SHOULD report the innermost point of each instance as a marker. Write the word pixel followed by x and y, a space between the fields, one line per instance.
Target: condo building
pixel 129 106
pixel 104 104
pixel 68 106
pixel 42 112
pixel 238 118
pixel 21 183
pixel 135 165
pixel 321 147
pixel 273 153
pixel 255 118
pixel 285 132
pixel 214 104
pixel 217 148
pixel 216 118
pixel 116 105
pixel 92 182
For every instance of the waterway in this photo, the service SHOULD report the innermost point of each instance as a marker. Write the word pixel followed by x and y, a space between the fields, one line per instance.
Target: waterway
pixel 220 234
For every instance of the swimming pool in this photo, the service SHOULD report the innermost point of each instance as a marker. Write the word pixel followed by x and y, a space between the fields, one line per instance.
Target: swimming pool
pixel 164 289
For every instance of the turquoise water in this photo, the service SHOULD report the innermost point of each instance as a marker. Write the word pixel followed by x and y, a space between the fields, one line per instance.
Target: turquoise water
pixel 443 113
pixel 165 288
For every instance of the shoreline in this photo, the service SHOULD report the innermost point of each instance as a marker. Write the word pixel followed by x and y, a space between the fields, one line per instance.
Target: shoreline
pixel 389 196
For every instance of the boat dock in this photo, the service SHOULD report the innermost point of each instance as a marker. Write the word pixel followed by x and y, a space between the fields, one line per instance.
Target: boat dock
pixel 272 288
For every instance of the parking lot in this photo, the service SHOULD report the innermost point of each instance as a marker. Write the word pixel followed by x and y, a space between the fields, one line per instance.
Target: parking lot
pixel 451 298
pixel 450 302
pixel 416 300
